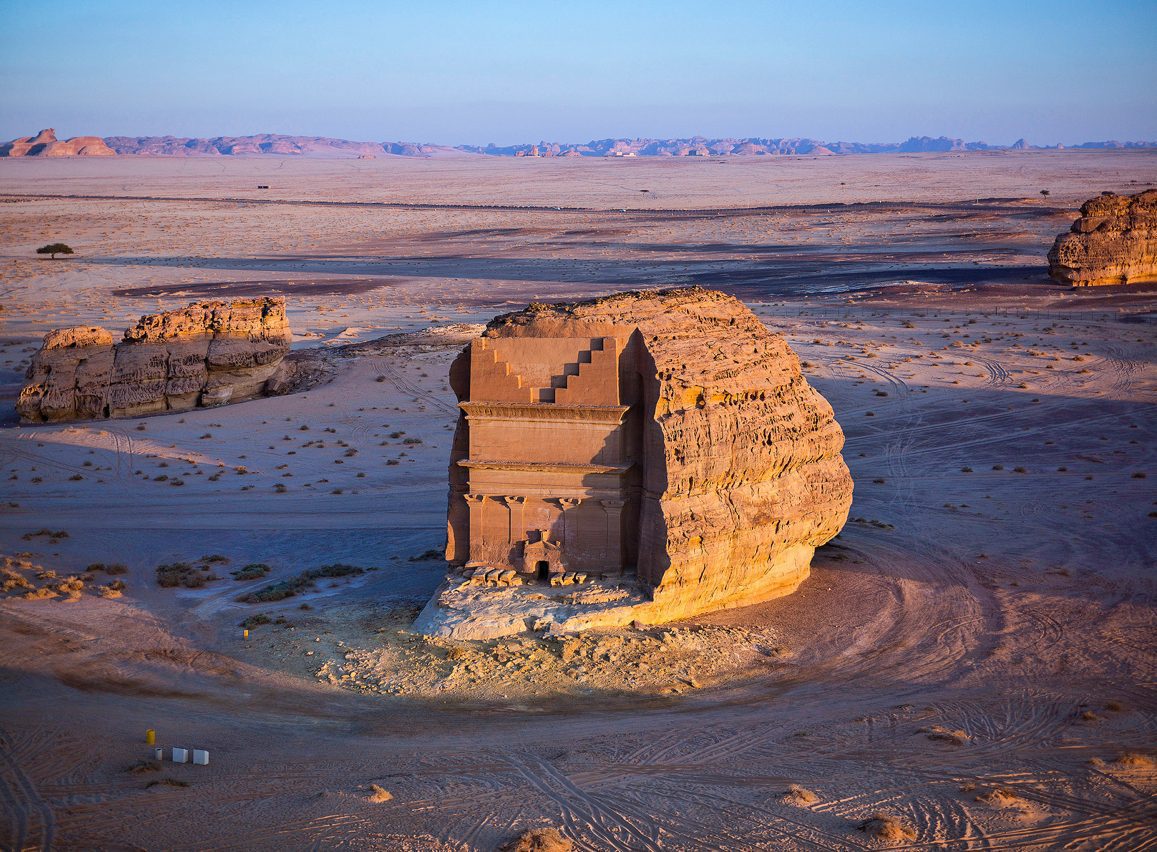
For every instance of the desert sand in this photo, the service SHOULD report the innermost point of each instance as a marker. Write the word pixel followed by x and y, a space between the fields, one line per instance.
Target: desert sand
pixel 972 657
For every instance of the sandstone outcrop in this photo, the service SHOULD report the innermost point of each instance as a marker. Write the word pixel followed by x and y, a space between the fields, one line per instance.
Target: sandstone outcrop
pixel 209 353
pixel 45 144
pixel 1113 242
pixel 662 446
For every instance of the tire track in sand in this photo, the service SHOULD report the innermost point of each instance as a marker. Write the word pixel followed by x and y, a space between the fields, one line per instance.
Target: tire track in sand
pixel 33 821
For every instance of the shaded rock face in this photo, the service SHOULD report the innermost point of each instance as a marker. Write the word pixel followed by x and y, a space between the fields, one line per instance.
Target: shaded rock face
pixel 209 353
pixel 1113 242
pixel 45 144
pixel 666 434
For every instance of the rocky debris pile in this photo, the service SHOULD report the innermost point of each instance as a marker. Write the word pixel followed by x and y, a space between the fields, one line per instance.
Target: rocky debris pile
pixel 485 575
pixel 45 144
pixel 209 353
pixel 1113 242
pixel 650 662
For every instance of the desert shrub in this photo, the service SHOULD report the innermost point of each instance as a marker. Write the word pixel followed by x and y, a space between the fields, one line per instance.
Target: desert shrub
pixel 379 794
pixel 11 581
pixel 45 533
pixel 256 621
pixel 799 796
pixel 252 571
pixel 295 585
pixel 887 827
pixel 175 574
pixel 539 840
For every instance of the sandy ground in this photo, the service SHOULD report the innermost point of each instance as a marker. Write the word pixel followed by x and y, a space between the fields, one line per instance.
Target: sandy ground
pixel 974 654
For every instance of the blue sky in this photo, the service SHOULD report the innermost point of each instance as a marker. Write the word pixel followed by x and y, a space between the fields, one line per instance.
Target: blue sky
pixel 477 72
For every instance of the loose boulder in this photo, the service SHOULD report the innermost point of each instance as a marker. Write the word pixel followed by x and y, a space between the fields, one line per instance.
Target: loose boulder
pixel 209 353
pixel 1113 242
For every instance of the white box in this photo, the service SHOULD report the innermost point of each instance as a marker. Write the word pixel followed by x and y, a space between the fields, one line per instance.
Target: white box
pixel 200 757
pixel 180 755
pixel 159 753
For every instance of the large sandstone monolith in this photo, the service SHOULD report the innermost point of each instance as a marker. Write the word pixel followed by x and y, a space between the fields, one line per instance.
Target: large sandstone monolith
pixel 659 451
pixel 1113 242
pixel 209 353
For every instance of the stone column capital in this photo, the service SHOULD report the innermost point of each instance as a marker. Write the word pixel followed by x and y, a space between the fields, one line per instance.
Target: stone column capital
pixel 613 504
pixel 474 498
pixel 514 501
pixel 569 502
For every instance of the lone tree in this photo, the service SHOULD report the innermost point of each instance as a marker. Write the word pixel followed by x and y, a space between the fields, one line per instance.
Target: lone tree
pixel 54 249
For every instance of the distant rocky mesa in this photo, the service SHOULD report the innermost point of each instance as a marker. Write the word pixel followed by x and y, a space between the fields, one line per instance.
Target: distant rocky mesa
pixel 281 145
pixel 645 456
pixel 209 353
pixel 1113 242
pixel 45 144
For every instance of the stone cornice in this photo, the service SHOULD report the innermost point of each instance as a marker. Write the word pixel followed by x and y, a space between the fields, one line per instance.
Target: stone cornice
pixel 545 467
pixel 544 411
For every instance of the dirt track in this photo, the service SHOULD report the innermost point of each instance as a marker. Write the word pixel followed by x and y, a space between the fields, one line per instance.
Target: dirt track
pixel 985 621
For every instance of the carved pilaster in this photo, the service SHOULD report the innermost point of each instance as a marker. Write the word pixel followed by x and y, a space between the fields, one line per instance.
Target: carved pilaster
pixel 476 502
pixel 567 504
pixel 514 507
pixel 614 512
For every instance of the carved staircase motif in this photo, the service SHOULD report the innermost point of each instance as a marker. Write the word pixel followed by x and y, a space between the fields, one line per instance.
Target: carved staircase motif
pixel 592 379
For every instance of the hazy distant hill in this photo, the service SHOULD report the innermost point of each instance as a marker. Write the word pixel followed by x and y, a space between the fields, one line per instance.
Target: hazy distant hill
pixel 267 143
pixel 278 145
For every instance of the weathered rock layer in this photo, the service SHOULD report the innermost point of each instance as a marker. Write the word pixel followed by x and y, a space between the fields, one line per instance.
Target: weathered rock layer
pixel 209 353
pixel 736 477
pixel 45 144
pixel 1113 242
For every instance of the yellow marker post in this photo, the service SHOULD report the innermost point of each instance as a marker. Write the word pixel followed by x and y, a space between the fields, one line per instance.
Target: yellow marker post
pixel 150 737
pixel 246 634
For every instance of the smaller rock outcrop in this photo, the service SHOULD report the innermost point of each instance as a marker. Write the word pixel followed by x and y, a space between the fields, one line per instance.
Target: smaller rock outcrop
pixel 1113 242
pixel 45 144
pixel 209 353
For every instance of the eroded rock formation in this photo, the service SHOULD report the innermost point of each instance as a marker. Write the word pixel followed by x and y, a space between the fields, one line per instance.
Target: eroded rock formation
pixel 1113 242
pixel 659 451
pixel 45 144
pixel 209 353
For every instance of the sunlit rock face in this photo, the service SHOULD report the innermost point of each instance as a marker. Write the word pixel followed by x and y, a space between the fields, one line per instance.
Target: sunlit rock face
pixel 1113 242
pixel 666 439
pixel 45 144
pixel 209 353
